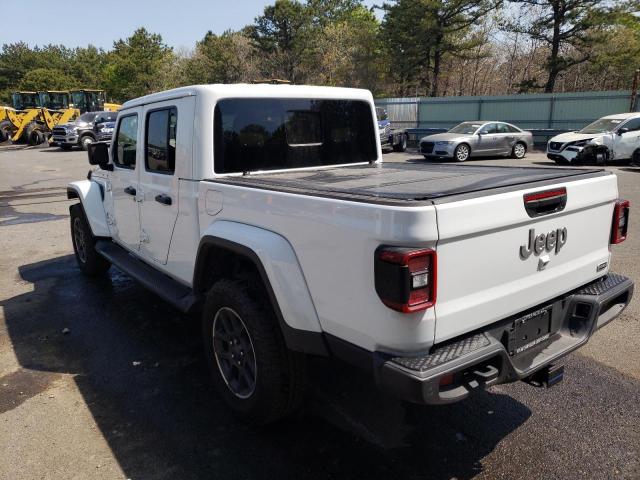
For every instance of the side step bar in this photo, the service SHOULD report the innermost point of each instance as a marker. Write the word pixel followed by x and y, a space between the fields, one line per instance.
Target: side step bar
pixel 175 293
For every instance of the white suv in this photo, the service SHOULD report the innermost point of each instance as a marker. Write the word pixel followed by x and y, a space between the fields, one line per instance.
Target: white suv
pixel 611 137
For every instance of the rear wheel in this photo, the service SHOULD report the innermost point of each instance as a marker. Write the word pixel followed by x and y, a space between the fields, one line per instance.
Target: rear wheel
pixel 252 369
pixel 401 146
pixel 519 150
pixel 462 152
pixel 91 263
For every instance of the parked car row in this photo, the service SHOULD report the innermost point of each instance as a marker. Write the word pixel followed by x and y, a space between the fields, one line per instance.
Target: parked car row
pixel 614 137
pixel 87 128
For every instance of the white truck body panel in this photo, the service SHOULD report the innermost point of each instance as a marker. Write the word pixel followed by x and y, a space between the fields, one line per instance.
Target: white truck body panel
pixel 483 277
pixel 335 241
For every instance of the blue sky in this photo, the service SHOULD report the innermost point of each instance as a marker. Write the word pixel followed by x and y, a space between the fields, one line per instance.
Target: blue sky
pixel 181 23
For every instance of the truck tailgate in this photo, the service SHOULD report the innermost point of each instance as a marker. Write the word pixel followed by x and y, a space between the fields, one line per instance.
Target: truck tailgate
pixel 482 276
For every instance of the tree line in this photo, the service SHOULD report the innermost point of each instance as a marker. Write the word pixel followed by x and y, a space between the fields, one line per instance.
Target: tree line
pixel 417 48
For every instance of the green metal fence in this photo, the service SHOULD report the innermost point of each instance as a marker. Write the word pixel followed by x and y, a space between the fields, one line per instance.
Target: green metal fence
pixel 558 111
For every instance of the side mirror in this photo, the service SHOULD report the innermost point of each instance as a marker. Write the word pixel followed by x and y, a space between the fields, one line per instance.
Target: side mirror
pixel 99 155
pixel 622 130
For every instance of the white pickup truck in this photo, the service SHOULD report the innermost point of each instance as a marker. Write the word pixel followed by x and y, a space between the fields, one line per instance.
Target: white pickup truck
pixel 268 210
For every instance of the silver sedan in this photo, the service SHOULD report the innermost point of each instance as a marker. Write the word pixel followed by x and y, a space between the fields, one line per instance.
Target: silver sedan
pixel 477 139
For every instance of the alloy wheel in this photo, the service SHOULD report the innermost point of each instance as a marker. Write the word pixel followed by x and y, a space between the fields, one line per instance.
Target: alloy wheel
pixel 462 153
pixel 80 240
pixel 235 356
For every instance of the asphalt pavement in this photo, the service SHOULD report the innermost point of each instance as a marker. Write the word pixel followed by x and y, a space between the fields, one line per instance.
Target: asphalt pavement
pixel 101 379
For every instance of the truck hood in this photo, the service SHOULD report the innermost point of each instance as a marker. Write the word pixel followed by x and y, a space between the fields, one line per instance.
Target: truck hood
pixel 74 124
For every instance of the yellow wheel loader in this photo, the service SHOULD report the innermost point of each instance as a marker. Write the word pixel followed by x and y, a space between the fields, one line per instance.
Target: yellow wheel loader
pixel 87 100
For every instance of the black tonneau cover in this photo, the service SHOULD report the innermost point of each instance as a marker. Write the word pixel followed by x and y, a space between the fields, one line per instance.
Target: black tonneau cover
pixel 408 183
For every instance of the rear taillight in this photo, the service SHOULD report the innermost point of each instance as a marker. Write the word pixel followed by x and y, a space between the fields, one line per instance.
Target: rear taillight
pixel 406 278
pixel 620 221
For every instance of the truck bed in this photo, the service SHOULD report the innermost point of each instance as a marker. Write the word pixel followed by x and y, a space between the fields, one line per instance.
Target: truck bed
pixel 408 183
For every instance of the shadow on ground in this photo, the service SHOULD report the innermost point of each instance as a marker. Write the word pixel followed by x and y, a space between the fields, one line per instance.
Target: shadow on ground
pixel 162 419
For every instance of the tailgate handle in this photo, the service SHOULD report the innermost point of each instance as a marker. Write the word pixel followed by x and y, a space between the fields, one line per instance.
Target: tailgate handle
pixel 545 202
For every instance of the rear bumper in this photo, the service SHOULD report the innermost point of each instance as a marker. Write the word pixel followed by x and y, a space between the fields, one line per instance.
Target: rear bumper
pixel 482 359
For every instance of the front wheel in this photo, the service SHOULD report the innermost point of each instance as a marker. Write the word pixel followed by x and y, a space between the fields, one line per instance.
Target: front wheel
pixel 462 152
pixel 252 369
pixel 519 150
pixel 85 142
pixel 34 135
pixel 91 263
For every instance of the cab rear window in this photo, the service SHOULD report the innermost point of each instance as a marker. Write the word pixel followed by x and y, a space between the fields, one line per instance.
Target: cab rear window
pixel 271 134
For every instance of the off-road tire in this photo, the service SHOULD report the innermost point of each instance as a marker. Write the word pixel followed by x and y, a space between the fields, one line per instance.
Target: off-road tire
pixel 457 153
pixel 91 263
pixel 6 128
pixel 402 146
pixel 279 374
pixel 34 134
pixel 519 151
pixel 85 141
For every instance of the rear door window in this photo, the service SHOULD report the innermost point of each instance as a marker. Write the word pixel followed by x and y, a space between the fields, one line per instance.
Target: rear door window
pixel 160 145
pixel 270 134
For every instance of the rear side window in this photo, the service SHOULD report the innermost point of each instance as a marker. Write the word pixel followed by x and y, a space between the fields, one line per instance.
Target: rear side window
pixel 270 134
pixel 503 128
pixel 160 146
pixel 126 142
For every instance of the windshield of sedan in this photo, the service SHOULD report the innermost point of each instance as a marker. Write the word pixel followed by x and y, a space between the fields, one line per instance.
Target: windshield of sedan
pixel 466 128
pixel 603 125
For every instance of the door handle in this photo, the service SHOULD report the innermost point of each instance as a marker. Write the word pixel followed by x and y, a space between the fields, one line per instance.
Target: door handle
pixel 130 191
pixel 163 199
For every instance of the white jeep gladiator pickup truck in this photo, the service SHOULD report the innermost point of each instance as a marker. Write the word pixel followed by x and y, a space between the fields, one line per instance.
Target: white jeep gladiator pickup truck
pixel 268 210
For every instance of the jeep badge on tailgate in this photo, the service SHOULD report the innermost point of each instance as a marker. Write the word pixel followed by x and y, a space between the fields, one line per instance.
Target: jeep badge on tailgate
pixel 537 244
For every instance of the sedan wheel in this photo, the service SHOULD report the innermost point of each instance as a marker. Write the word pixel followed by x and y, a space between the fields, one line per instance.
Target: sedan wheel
pixel 462 152
pixel 519 150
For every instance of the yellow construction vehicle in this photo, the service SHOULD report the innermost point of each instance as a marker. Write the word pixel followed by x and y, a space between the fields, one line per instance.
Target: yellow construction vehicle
pixel 26 107
pixel 34 114
pixel 87 100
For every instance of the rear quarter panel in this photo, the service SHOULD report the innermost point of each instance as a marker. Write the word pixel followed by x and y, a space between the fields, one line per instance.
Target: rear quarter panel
pixel 334 242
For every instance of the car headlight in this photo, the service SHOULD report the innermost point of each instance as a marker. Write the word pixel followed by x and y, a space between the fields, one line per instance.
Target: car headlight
pixel 443 143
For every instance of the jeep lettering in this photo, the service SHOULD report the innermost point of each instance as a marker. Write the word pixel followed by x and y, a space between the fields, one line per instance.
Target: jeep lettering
pixel 537 244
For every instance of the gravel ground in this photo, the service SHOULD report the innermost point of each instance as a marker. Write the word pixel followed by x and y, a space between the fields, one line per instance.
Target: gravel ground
pixel 75 402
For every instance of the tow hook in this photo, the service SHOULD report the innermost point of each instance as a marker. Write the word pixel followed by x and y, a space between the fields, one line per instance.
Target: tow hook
pixel 547 377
